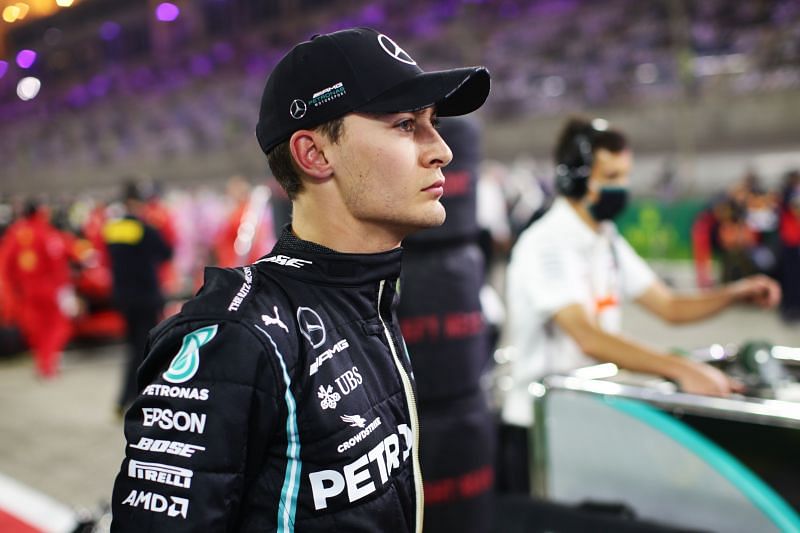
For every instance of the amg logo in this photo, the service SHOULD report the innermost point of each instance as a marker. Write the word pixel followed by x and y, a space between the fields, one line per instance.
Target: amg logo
pixel 286 261
pixel 357 477
pixel 244 290
pixel 158 473
pixel 156 503
pixel 328 354
pixel 187 393
pixel 178 420
pixel 170 447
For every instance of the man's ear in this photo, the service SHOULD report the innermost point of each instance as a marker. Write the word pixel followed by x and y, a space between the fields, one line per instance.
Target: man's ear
pixel 306 147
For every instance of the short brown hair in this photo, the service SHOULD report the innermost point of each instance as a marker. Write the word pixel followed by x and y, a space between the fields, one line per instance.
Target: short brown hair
pixel 282 164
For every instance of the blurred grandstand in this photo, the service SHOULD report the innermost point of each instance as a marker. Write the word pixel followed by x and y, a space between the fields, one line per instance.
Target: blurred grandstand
pixel 98 89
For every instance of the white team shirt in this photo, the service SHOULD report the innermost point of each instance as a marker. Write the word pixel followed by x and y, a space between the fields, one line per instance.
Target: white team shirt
pixel 557 262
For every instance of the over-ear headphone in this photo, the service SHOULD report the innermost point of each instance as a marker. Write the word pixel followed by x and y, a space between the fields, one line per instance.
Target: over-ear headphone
pixel 574 168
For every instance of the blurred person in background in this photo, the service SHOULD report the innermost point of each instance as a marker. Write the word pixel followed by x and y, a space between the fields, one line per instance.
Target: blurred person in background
pixel 570 271
pixel 136 251
pixel 283 390
pixel 247 230
pixel 789 265
pixel 156 213
pixel 35 268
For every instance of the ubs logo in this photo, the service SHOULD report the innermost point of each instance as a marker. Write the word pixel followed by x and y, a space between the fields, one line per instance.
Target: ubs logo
pixel 311 326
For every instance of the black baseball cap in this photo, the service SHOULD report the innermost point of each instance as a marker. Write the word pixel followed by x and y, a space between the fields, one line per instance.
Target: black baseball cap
pixel 360 70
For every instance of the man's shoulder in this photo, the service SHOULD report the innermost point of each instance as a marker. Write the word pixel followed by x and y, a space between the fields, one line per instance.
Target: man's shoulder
pixel 247 303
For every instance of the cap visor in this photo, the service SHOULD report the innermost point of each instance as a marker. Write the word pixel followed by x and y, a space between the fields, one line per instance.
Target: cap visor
pixel 454 92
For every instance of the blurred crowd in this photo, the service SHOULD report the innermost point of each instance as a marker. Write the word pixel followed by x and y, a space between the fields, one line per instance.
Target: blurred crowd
pixel 751 229
pixel 115 105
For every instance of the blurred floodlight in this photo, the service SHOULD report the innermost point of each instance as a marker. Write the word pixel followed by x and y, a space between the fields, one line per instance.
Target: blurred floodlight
pixel 600 124
pixel 23 10
pixel 716 351
pixel 3 68
pixel 28 88
pixel 646 73
pixel 26 58
pixel 553 86
pixel 109 30
pixel 11 14
pixel 64 3
pixel 167 12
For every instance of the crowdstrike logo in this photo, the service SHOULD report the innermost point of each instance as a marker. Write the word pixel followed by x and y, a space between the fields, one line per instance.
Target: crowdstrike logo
pixel 185 364
pixel 394 50
pixel 361 435
pixel 356 421
pixel 158 473
pixel 156 503
pixel 311 326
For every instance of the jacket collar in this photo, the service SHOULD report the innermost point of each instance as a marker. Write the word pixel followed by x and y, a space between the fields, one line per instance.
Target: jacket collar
pixel 314 262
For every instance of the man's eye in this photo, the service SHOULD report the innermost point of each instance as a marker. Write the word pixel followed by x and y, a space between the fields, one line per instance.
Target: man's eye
pixel 406 125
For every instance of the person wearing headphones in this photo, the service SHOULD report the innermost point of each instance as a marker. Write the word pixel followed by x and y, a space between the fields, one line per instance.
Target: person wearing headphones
pixel 570 271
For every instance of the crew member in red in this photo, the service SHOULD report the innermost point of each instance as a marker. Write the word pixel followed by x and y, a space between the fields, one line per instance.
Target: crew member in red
pixel 35 269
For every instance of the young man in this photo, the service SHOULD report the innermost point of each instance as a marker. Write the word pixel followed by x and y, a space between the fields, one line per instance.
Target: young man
pixel 281 397
pixel 570 270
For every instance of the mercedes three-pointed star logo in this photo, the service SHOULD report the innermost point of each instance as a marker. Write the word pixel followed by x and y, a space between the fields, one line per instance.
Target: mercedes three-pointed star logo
pixel 392 48
pixel 311 326
pixel 297 109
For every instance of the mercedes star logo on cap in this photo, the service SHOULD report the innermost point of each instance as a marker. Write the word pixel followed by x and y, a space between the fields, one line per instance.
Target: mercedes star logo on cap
pixel 392 48
pixel 297 109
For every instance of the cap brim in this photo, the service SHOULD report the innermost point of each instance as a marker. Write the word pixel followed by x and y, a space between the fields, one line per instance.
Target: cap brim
pixel 454 92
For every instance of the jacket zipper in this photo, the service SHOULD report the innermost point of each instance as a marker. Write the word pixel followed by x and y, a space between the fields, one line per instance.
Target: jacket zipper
pixel 412 413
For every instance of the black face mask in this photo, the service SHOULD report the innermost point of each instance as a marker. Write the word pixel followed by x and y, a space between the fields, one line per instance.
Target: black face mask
pixel 612 202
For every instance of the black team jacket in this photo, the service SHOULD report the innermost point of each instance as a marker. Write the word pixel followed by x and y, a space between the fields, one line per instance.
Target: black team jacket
pixel 280 398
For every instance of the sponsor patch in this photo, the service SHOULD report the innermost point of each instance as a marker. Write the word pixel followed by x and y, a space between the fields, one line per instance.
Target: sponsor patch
pixel 243 291
pixel 168 419
pixel 170 447
pixel 358 479
pixel 329 398
pixel 358 437
pixel 328 94
pixel 185 364
pixel 328 354
pixel 185 393
pixel 285 260
pixel 156 503
pixel 158 473
pixel 274 321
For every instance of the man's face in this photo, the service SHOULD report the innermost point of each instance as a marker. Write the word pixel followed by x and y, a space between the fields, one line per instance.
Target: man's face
pixel 388 170
pixel 610 169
